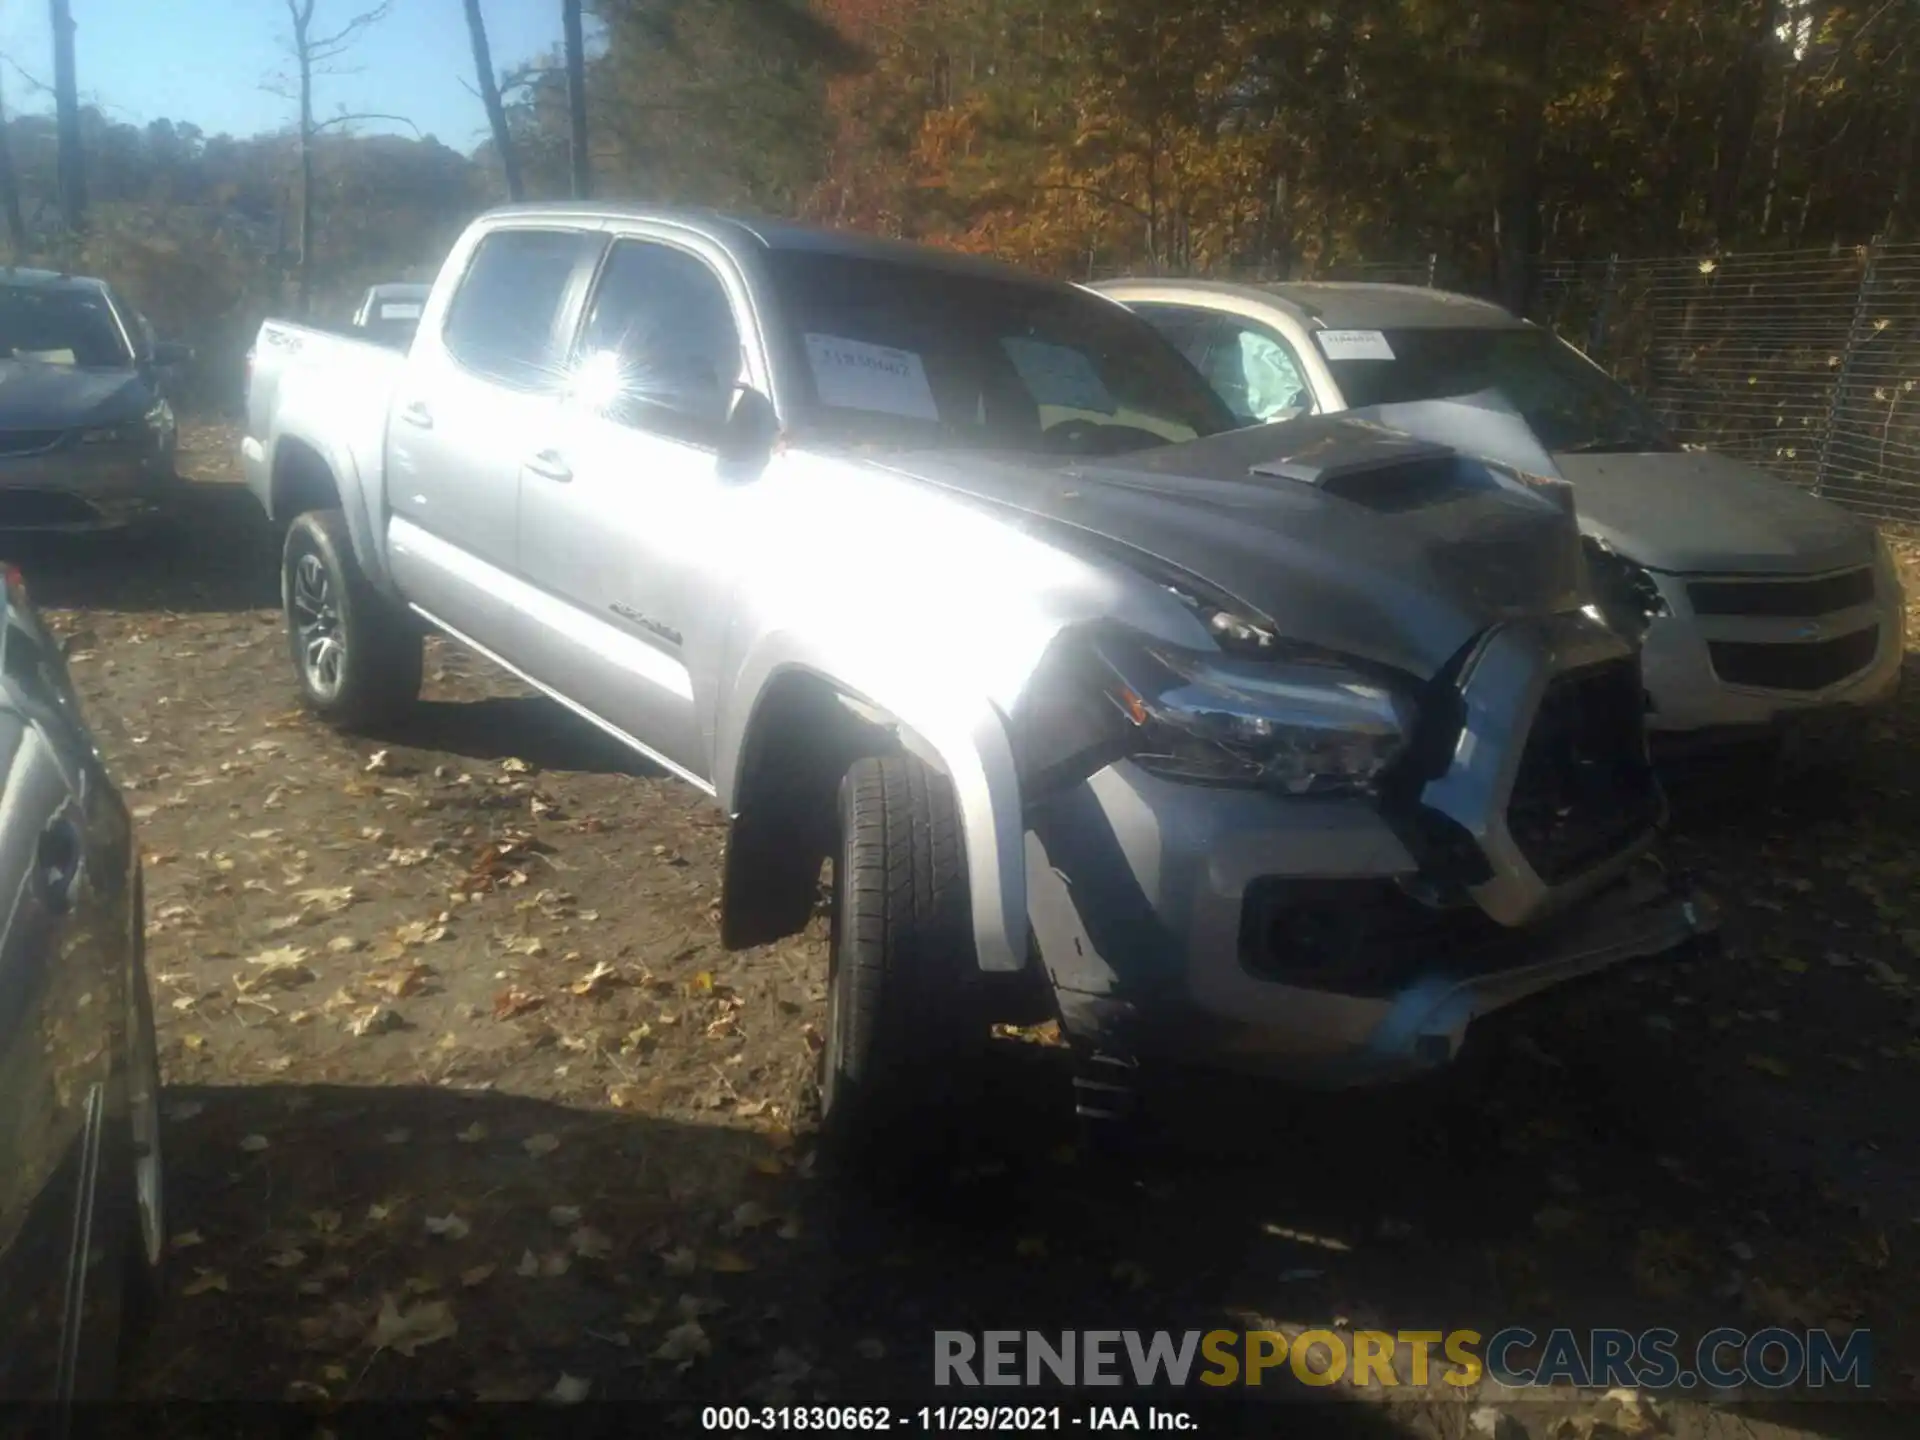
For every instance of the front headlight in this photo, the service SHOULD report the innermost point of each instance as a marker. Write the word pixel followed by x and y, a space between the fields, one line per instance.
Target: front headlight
pixel 1298 728
pixel 1296 725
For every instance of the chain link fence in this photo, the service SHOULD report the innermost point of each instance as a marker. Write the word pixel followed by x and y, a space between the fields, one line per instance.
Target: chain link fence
pixel 1806 362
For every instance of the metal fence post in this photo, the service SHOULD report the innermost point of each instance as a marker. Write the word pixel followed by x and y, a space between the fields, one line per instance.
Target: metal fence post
pixel 1597 330
pixel 1433 265
pixel 1836 401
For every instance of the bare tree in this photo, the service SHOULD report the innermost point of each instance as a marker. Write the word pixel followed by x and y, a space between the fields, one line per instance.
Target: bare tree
pixel 582 162
pixel 66 102
pixel 10 193
pixel 313 54
pixel 490 97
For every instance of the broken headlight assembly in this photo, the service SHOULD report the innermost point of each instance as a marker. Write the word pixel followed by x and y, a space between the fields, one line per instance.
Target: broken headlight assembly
pixel 1625 597
pixel 1297 724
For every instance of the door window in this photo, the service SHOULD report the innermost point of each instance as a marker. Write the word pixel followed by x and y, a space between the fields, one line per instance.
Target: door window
pixel 661 349
pixel 504 322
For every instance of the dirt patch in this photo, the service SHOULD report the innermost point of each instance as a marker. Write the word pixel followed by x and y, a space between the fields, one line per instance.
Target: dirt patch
pixel 465 1100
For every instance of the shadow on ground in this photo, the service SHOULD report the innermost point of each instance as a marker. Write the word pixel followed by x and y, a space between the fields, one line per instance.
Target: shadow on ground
pixel 566 1241
pixel 532 728
pixel 213 552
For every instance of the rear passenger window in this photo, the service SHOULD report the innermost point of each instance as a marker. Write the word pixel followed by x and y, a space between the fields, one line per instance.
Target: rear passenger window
pixel 504 319
pixel 660 349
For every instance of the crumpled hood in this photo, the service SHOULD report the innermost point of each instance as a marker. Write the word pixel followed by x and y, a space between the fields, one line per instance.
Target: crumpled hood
pixel 1406 585
pixel 1677 511
pixel 1697 511
pixel 34 396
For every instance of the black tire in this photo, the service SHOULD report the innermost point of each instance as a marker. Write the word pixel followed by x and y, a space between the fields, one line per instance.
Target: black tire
pixel 357 656
pixel 904 1018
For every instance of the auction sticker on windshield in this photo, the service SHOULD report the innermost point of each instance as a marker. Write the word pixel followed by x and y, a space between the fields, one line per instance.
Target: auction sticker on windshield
pixel 853 375
pixel 1353 345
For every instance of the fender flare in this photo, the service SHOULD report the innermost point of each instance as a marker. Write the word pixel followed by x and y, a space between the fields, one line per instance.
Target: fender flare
pixel 349 482
pixel 965 734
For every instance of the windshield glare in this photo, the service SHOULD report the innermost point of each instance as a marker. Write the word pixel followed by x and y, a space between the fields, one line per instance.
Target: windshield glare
pixel 60 327
pixel 897 354
pixel 1567 403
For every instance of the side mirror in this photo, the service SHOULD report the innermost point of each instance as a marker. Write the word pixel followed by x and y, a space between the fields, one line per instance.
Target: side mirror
pixel 168 353
pixel 751 428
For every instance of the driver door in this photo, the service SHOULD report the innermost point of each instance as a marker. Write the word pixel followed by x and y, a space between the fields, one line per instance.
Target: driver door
pixel 620 522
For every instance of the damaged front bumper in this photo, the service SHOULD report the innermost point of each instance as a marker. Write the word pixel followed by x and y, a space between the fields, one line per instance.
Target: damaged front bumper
pixel 1225 931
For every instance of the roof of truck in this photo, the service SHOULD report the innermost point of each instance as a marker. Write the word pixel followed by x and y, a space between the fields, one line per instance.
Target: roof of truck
pixel 1337 305
pixel 772 234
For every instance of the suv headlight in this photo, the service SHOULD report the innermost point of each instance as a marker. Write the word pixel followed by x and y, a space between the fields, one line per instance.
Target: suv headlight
pixel 1298 725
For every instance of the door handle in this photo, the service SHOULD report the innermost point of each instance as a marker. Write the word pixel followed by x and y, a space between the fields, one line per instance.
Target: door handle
pixel 550 466
pixel 418 415
pixel 61 861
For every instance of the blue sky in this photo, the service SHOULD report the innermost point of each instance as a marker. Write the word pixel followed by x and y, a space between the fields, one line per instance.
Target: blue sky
pixel 205 61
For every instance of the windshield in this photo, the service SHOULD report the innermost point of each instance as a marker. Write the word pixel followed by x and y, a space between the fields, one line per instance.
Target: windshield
pixel 899 354
pixel 1569 404
pixel 60 327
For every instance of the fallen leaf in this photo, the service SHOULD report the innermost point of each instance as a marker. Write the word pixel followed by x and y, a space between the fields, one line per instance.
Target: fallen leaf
pixel 449 1225
pixel 374 1020
pixel 420 932
pixel 564 1215
pixel 680 1261
pixel 328 900
pixel 325 1221
pixel 182 1110
pixel 569 1390
pixel 539 1145
pixel 728 1262
pixel 1767 1065
pixel 186 1240
pixel 596 981
pixel 750 1215
pixel 253 1144
pixel 589 1244
pixel 203 1281
pixel 478 1275
pixel 514 1001
pixel 684 1342
pixel 472 1135
pixel 405 1331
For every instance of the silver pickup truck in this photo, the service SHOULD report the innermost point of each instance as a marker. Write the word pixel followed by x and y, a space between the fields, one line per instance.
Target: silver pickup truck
pixel 1292 750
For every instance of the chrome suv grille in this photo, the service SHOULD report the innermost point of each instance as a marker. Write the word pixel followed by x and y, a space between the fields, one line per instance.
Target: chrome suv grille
pixel 1786 598
pixel 1585 790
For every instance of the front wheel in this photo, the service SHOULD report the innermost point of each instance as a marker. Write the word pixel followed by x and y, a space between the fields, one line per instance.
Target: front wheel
pixel 904 1018
pixel 357 655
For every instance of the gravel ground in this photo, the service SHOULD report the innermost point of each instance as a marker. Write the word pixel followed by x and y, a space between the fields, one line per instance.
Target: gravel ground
pixel 465 1100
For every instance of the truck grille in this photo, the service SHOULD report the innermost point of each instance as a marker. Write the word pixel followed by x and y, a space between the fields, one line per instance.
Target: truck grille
pixel 1782 598
pixel 1803 665
pixel 1585 789
pixel 29 442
